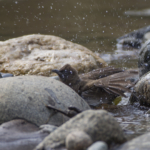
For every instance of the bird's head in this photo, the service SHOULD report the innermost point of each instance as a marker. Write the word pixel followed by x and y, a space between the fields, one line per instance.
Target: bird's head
pixel 67 74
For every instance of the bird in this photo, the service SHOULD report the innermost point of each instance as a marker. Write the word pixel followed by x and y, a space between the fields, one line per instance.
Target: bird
pixel 101 85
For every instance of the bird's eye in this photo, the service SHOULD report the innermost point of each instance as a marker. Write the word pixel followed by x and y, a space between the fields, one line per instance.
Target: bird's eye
pixel 65 71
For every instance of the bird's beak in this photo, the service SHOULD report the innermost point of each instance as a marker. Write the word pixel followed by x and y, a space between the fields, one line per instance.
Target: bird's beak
pixel 57 71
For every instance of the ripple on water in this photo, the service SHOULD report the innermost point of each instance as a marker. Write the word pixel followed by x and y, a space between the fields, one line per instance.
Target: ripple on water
pixel 132 119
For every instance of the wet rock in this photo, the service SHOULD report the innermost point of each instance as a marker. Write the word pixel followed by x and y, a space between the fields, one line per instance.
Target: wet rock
pixel 26 97
pixel 144 59
pixel 141 90
pixel 98 124
pixel 139 143
pixel 37 54
pixel 98 146
pixel 134 39
pixel 78 140
pixel 129 42
pixel 142 87
pixel 20 135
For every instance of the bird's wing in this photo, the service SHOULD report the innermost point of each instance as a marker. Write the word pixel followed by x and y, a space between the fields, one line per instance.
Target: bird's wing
pixel 100 73
pixel 115 84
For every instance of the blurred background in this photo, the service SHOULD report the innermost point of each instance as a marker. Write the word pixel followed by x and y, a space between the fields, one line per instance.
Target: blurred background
pixel 94 24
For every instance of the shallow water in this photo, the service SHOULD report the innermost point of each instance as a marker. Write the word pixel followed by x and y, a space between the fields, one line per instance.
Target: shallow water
pixel 93 23
pixel 132 119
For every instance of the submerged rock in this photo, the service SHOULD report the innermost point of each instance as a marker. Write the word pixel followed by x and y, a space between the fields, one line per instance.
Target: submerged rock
pixel 26 97
pixel 38 54
pixel 20 135
pixel 139 143
pixel 97 124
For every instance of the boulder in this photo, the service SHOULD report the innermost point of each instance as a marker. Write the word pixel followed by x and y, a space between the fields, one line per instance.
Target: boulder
pixel 37 54
pixel 26 97
pixel 99 125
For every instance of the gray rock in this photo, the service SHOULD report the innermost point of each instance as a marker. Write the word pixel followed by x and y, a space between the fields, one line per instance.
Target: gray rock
pixel 139 143
pixel 78 140
pixel 98 146
pixel 26 97
pixel 98 124
pixel 37 54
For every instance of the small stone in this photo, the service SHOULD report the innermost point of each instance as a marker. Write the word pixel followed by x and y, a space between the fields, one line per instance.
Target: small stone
pixel 5 75
pixel 78 140
pixel 98 146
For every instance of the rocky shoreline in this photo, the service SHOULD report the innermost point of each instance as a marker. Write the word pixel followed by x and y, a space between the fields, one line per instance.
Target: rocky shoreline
pixel 29 119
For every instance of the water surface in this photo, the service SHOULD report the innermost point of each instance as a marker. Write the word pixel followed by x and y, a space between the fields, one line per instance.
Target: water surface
pixel 93 23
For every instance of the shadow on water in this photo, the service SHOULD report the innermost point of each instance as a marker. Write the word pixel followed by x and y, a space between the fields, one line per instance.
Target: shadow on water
pixel 93 23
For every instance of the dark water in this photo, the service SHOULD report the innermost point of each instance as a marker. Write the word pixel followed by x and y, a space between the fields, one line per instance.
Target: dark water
pixel 93 23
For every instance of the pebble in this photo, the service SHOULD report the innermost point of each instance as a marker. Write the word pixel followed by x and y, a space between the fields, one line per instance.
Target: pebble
pixel 98 146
